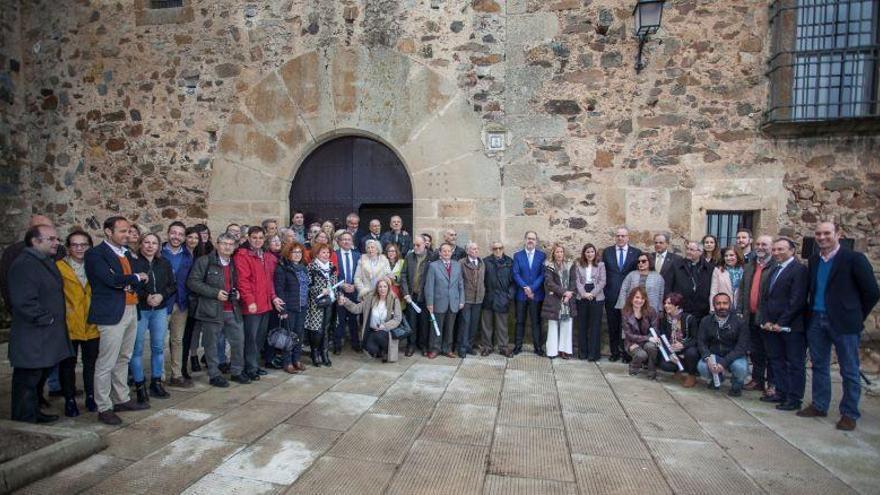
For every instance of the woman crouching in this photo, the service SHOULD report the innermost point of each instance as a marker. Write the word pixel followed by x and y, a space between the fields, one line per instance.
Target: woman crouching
pixel 382 313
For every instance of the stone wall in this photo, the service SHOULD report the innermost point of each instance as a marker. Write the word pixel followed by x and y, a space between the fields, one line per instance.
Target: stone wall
pixel 205 112
pixel 14 170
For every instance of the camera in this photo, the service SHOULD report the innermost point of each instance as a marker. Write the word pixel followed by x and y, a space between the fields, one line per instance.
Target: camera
pixel 234 295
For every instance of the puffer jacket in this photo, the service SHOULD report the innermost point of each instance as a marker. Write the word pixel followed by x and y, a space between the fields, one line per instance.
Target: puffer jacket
pixel 256 275
pixel 77 299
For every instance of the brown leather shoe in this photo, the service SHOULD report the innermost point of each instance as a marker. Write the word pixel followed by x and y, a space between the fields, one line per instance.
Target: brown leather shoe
pixel 846 423
pixel 299 366
pixel 431 355
pixel 409 352
pixel 131 405
pixel 450 355
pixel 811 412
pixel 689 381
pixel 109 418
pixel 291 369
pixel 754 386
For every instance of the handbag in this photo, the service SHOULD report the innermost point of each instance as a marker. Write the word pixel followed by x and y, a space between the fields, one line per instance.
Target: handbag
pixel 402 331
pixel 564 313
pixel 282 338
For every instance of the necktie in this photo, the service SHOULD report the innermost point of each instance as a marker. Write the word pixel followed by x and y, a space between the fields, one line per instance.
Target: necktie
pixel 348 267
pixel 659 264
pixel 620 258
pixel 530 256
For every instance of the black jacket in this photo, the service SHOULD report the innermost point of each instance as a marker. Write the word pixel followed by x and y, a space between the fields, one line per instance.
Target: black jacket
pixel 851 292
pixel 785 303
pixel 287 285
pixel 500 288
pixel 161 281
pixel 206 280
pixel 408 277
pixel 727 343
pixel 403 241
pixel 38 338
pixel 694 283
pixel 668 270
pixel 690 326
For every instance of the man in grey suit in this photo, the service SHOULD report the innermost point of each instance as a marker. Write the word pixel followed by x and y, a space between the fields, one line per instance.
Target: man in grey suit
pixel 444 295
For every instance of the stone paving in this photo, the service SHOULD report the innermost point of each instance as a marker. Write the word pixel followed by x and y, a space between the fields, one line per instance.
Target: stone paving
pixel 480 425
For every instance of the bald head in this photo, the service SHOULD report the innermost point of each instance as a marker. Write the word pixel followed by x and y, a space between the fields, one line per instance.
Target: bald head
pixel 40 220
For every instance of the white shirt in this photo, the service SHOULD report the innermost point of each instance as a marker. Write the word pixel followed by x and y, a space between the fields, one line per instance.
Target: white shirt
pixel 378 315
pixel 589 271
pixel 531 256
pixel 119 250
pixel 473 261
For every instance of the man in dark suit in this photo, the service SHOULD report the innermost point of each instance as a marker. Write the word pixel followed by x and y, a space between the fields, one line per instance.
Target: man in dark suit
pixel 528 274
pixel 348 261
pixel 114 310
pixel 375 233
pixel 619 259
pixel 744 244
pixel 444 297
pixel 398 236
pixel 843 291
pixel 664 261
pixel 692 279
pixel 38 339
pixel 781 313
pixel 450 236
pixel 755 275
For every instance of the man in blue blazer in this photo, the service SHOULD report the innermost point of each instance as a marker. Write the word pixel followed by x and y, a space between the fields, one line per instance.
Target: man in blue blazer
pixel 348 261
pixel 843 291
pixel 528 274
pixel 619 259
pixel 781 315
pixel 114 309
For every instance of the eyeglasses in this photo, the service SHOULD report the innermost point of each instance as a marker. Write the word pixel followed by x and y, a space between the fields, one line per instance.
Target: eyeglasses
pixel 50 239
pixel 497 248
pixel 643 261
pixel 78 245
pixel 296 252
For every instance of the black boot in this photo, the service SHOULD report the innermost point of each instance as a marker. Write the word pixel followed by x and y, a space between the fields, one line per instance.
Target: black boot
pixel 194 364
pixel 142 396
pixel 314 347
pixel 326 357
pixel 157 390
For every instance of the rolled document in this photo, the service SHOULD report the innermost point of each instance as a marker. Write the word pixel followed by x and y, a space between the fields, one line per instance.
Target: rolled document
pixel 715 378
pixel 674 355
pixel 434 322
pixel 662 348
pixel 415 307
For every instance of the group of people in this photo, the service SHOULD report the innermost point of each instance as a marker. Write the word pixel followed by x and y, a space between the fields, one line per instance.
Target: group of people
pixel 709 313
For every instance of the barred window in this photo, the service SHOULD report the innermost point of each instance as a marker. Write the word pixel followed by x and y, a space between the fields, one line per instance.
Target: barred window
pixel 824 61
pixel 165 4
pixel 724 225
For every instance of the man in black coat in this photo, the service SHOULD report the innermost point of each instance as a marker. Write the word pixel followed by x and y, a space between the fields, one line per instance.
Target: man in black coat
pixel 39 339
pixel 500 293
pixel 843 291
pixel 412 288
pixel 12 252
pixel 619 259
pixel 781 314
pixel 664 261
pixel 692 279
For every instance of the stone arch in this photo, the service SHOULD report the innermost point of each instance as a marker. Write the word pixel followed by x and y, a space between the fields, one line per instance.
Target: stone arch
pixel 377 93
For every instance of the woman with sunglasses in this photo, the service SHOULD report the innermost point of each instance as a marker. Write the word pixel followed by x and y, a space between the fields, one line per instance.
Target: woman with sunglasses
pixel 646 277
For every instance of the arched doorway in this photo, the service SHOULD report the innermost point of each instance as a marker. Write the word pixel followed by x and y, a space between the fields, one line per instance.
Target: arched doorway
pixel 352 173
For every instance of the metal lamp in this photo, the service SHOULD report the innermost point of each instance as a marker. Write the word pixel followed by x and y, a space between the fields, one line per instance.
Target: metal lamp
pixel 648 15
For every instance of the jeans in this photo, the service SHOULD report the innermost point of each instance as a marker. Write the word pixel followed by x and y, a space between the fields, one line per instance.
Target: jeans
pixel 67 368
pixel 821 336
pixel 156 321
pixel 739 368
pixel 786 355
pixel 295 322
pixel 255 329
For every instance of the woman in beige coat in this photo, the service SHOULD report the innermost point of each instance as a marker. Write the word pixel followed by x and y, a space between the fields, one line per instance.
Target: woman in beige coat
pixel 372 267
pixel 382 313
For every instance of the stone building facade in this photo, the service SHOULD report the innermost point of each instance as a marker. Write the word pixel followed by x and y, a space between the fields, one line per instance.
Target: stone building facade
pixel 204 112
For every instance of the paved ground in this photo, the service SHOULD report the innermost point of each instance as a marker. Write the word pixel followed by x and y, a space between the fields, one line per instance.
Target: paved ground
pixel 481 425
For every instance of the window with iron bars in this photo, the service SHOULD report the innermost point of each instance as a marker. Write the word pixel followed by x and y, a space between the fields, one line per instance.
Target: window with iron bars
pixel 165 4
pixel 724 225
pixel 824 65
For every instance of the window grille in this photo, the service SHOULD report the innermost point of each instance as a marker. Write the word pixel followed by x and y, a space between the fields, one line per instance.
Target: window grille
pixel 165 4
pixel 724 224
